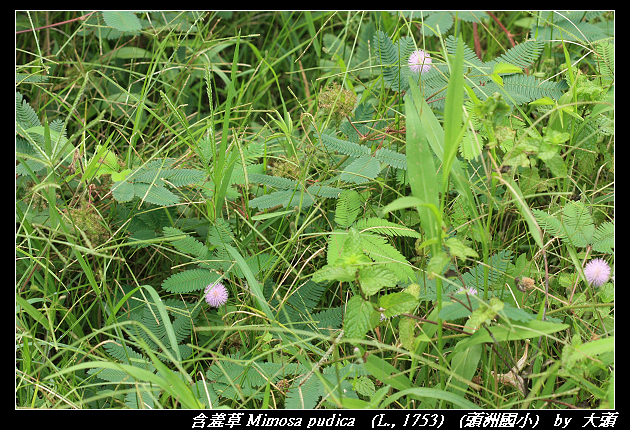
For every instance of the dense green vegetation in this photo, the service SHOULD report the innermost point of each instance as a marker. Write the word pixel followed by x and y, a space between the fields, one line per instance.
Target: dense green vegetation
pixel 314 210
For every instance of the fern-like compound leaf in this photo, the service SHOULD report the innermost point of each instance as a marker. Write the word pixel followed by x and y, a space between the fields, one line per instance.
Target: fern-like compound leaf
pixel 391 158
pixel 382 226
pixel 149 181
pixel 393 59
pixel 152 171
pixel 24 114
pixel 578 224
pixel 155 194
pixel 279 198
pixel 532 88
pixel 128 356
pixel 438 22
pixel 496 272
pixel 361 170
pixel 380 251
pixel 471 16
pixel 187 245
pixel 183 177
pixel 348 207
pixel 110 375
pixel 324 191
pixel 522 55
pixel 575 224
pixel 605 58
pixel 189 281
pixel 343 146
pixel 273 181
pixel 220 233
pixel 329 319
pixel 604 238
pixel 296 309
pixel 470 58
pixel 123 191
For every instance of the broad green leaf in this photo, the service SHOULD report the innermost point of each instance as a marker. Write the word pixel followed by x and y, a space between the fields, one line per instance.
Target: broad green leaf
pixel 406 332
pixel 374 278
pixel 458 249
pixel 577 351
pixel 364 386
pixel 454 310
pixel 502 67
pixel 435 393
pixel 543 101
pixel 596 347
pixel 129 52
pixel 101 150
pixel 350 403
pixel 402 203
pixel 357 320
pixel 397 303
pixel 379 395
pixel 386 373
pixel 486 311
pixel 437 264
pixel 464 363
pixel 122 20
pixel 120 176
pixel 335 273
pixel 528 330
pixel 557 166
pixel 31 310
pixel 352 249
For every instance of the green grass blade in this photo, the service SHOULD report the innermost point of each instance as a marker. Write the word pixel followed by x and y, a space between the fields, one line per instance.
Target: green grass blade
pixel 434 393
pixel 166 319
pixel 420 166
pixel 435 135
pixel 252 283
pixel 453 130
pixel 534 229
pixel 32 311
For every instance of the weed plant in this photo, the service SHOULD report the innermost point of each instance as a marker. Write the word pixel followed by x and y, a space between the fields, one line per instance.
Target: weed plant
pixel 282 210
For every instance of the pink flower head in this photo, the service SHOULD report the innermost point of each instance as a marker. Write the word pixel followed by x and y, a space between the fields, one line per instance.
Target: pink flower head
pixel 216 295
pixel 420 61
pixel 597 272
pixel 469 290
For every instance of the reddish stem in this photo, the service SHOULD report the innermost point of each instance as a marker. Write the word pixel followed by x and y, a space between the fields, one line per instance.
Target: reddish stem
pixel 86 16
pixel 477 41
pixel 509 35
